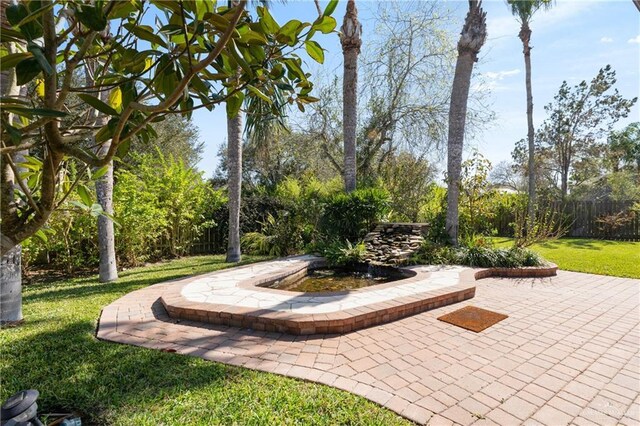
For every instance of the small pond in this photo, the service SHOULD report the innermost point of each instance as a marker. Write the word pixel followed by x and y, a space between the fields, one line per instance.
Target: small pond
pixel 339 279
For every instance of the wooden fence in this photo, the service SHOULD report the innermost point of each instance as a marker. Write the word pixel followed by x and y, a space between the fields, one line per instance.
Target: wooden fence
pixel 611 220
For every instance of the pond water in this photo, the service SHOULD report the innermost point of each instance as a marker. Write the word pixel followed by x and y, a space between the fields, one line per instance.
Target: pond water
pixel 339 279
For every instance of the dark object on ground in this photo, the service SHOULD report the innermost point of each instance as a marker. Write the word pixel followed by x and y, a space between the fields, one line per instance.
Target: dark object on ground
pixel 472 318
pixel 21 409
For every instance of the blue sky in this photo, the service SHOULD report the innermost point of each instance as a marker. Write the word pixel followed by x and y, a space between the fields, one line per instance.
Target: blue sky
pixel 572 41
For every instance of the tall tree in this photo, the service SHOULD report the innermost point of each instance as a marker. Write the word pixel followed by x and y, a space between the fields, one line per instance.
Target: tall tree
pixel 524 10
pixel 577 118
pixel 404 76
pixel 350 38
pixel 472 37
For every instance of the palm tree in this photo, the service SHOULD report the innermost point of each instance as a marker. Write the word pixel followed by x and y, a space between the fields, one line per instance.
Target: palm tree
pixel 524 10
pixel 350 38
pixel 234 179
pixel 472 37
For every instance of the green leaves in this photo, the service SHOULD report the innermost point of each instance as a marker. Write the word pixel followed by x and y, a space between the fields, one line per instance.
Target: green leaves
pixel 234 103
pixel 330 7
pixel 146 33
pixel 314 50
pixel 100 172
pixel 26 19
pixel 289 32
pixel 98 104
pixel 259 94
pixel 85 194
pixel 38 54
pixel 30 112
pixel 11 60
pixel 267 22
pixel 92 17
pixel 324 24
pixel 27 64
pixel 27 70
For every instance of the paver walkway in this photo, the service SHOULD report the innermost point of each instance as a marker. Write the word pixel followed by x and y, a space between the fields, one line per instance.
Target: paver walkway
pixel 568 353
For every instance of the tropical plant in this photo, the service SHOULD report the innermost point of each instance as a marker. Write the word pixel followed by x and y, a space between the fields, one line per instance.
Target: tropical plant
pixel 259 110
pixel 345 253
pixel 472 37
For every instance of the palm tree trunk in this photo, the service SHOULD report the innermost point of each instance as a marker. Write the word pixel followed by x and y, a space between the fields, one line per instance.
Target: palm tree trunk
pixel 107 270
pixel 351 42
pixel 525 36
pixel 234 156
pixel 457 119
pixel 472 38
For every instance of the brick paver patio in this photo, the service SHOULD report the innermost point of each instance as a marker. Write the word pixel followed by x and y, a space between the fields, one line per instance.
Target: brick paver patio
pixel 567 354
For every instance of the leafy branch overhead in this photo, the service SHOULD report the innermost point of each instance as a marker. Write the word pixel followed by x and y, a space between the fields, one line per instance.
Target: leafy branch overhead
pixel 153 58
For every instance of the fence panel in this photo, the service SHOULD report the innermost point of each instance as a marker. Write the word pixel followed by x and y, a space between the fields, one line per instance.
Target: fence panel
pixel 612 220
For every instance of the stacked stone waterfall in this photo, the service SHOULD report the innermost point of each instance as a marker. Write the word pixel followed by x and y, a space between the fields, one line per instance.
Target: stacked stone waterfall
pixel 393 243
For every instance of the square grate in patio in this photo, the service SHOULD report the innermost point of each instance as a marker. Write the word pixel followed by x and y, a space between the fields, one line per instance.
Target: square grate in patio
pixel 472 318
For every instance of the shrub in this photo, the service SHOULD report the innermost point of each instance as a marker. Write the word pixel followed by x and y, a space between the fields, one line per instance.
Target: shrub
pixel 161 207
pixel 351 216
pixel 279 236
pixel 162 201
pixel 476 255
pixel 140 217
pixel 343 254
pixel 68 241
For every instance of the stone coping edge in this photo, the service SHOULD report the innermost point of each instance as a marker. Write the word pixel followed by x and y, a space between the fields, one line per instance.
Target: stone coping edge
pixel 304 324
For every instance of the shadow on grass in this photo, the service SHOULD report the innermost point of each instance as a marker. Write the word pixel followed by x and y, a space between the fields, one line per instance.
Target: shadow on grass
pixel 75 372
pixel 116 289
pixel 128 281
pixel 577 243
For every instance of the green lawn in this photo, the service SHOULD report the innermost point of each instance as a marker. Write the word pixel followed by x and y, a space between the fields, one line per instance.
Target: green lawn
pixel 617 258
pixel 56 352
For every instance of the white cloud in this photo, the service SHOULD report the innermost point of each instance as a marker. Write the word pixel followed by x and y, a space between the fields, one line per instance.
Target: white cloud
pixel 490 80
pixel 606 40
pixel 636 39
pixel 502 26
pixel 500 75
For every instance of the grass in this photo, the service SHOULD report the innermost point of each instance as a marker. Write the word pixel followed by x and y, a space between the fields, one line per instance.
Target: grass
pixel 617 258
pixel 56 352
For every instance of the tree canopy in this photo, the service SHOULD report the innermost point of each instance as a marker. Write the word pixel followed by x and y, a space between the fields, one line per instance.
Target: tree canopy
pixel 152 59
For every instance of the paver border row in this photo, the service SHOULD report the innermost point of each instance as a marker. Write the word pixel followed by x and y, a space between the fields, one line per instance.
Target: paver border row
pixel 340 322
